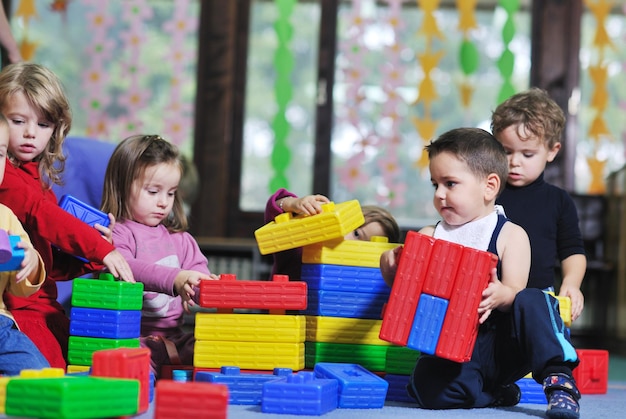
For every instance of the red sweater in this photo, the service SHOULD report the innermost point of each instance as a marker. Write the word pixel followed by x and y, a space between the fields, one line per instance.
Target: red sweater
pixel 46 223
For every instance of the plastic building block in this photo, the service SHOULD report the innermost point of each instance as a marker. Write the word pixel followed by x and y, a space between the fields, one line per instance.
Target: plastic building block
pixel 460 323
pixel 229 293
pixel 190 400
pixel 250 327
pixel 460 326
pixel 358 388
pixel 400 360
pixel 103 323
pixel 592 373
pixel 133 363
pixel 427 323
pixel 42 373
pixel 249 355
pixel 3 393
pixel 289 232
pixel 565 308
pixel 14 261
pixel 167 371
pixel 343 330
pixel 300 394
pixel 182 376
pixel 372 357
pixel 343 278
pixel 397 388
pixel 72 397
pixel 532 391
pixel 6 250
pixel 407 287
pixel 78 369
pixel 106 292
pixel 84 212
pixel 80 349
pixel 348 252
pixel 243 388
pixel 360 305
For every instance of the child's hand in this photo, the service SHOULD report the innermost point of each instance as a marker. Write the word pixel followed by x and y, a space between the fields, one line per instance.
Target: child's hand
pixel 186 281
pixel 389 264
pixel 30 264
pixel 491 297
pixel 577 298
pixel 307 205
pixel 107 232
pixel 118 266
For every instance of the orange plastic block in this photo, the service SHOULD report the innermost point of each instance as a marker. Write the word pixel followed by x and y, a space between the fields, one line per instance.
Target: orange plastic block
pixel 228 293
pixel 190 400
pixel 131 363
pixel 407 287
pixel 289 232
pixel 365 254
pixel 592 373
pixel 460 326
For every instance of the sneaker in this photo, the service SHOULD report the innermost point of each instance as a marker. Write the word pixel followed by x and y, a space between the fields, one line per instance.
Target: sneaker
pixel 562 397
pixel 507 395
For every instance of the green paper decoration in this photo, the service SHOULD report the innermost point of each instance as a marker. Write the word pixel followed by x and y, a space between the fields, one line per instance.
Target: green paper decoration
pixel 284 64
pixel 506 62
pixel 469 57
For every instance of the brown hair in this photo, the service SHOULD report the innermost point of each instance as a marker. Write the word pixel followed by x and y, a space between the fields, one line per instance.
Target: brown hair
pixel 375 214
pixel 129 161
pixel 45 93
pixel 533 110
pixel 482 153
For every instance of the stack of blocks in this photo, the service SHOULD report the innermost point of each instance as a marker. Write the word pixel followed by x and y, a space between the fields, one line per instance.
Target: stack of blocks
pixel 105 314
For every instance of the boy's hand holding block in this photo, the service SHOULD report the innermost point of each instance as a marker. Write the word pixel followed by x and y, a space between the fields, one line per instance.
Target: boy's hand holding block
pixel 444 272
pixel 11 256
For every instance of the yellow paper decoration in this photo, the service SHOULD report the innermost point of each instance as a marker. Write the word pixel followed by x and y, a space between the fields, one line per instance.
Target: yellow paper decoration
pixel 600 10
pixel 466 91
pixel 597 185
pixel 27 49
pixel 429 25
pixel 26 9
pixel 426 128
pixel 468 56
pixel 467 19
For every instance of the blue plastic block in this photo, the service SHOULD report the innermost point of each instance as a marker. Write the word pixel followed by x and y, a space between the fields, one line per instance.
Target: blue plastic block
pixel 17 256
pixel 243 389
pixel 343 278
pixel 397 388
pixel 84 212
pixel 104 323
pixel 152 383
pixel 356 305
pixel 300 394
pixel 358 387
pixel 427 323
pixel 532 391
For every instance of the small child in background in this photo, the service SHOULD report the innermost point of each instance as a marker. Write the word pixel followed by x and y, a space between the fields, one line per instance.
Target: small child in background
pixel 529 125
pixel 141 191
pixel 378 222
pixel 520 328
pixel 17 351
pixel 33 101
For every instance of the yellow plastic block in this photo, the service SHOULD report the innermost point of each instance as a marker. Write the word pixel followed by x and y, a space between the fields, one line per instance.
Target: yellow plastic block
pixel 3 393
pixel 344 330
pixel 348 252
pixel 289 232
pixel 77 368
pixel 248 355
pixel 43 373
pixel 250 327
pixel 565 308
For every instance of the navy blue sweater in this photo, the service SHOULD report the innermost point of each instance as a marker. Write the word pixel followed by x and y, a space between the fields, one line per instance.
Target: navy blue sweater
pixel 548 214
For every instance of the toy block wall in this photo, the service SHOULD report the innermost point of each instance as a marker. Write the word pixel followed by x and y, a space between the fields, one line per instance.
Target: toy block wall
pixel 455 276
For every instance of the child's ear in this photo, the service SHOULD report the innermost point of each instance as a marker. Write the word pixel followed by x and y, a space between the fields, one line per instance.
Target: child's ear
pixel 492 187
pixel 553 152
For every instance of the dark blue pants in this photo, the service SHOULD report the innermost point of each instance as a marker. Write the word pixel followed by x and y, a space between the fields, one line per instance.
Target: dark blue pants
pixel 529 338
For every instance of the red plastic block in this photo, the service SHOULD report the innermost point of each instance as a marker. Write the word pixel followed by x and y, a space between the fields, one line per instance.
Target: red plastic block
pixel 592 374
pixel 228 293
pixel 407 287
pixel 125 363
pixel 460 326
pixel 444 262
pixel 175 399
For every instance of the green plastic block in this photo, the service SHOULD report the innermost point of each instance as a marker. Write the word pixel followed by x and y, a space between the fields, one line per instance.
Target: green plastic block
pixel 80 349
pixel 106 292
pixel 72 397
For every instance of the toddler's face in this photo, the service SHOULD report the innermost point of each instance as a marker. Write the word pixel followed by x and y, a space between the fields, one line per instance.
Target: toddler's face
pixel 366 232
pixel 152 196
